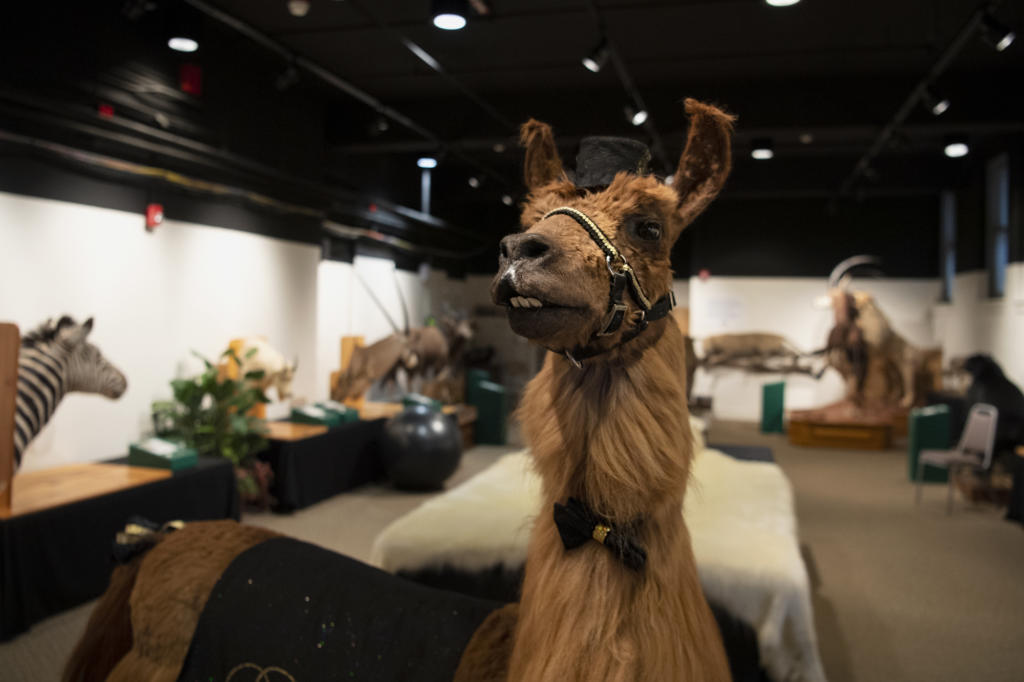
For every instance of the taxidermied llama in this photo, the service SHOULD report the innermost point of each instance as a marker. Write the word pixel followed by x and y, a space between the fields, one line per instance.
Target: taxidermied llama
pixel 606 420
pixel 606 417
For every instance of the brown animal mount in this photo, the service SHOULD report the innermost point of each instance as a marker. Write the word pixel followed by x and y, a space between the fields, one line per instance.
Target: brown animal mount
pixel 885 375
pixel 612 434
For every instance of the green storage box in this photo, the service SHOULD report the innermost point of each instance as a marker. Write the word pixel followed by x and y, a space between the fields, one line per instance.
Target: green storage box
pixel 346 413
pixel 927 429
pixel 772 407
pixel 311 414
pixel 158 453
pixel 491 403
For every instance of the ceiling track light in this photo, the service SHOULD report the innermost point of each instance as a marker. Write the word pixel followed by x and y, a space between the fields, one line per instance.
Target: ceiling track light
pixel 182 30
pixel 937 104
pixel 449 15
pixel 426 162
pixel 762 148
pixel 637 116
pixel 598 57
pixel 956 146
pixel 996 33
pixel 781 3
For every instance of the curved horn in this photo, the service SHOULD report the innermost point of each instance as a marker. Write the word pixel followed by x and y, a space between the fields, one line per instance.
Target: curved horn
pixel 839 271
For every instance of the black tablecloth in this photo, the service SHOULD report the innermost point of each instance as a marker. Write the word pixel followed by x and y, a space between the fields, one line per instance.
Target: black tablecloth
pixel 54 559
pixel 322 616
pixel 313 469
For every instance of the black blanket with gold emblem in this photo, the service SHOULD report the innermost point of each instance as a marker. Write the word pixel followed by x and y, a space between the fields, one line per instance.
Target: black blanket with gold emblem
pixel 286 610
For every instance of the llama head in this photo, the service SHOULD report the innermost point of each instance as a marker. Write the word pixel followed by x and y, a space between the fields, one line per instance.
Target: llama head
pixel 88 371
pixel 554 277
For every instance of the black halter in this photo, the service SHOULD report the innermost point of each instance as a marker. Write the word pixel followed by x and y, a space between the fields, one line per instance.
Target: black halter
pixel 622 276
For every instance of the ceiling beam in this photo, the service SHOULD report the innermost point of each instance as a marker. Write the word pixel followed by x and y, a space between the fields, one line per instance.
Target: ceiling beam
pixel 335 81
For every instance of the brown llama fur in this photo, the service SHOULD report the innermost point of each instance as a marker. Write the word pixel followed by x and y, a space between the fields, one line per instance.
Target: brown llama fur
pixel 165 591
pixel 614 433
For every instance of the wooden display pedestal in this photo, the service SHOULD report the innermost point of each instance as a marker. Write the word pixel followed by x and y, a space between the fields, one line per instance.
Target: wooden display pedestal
pixel 823 434
pixel 843 425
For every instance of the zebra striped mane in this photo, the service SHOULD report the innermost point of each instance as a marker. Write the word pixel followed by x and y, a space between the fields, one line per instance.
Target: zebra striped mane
pixel 46 332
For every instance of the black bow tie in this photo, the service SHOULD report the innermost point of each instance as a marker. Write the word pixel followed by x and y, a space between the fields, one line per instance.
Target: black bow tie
pixel 577 524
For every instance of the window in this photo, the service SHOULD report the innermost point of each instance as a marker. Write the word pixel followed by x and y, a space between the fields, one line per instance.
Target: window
pixel 947 243
pixel 997 222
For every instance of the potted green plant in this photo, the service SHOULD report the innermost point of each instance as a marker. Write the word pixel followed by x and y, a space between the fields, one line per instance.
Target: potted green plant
pixel 211 413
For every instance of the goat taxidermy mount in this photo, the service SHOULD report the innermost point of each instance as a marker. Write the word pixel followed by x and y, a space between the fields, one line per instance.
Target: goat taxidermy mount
pixel 881 369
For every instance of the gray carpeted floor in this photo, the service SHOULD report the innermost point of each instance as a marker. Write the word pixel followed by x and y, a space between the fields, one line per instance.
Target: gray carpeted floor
pixel 901 593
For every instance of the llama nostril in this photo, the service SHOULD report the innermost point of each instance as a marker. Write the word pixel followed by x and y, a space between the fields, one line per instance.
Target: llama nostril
pixel 533 247
pixel 503 249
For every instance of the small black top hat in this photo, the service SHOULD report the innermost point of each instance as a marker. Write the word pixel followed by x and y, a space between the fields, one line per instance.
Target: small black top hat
pixel 600 158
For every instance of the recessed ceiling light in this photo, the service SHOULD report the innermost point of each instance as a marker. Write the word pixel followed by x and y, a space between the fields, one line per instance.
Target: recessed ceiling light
pixel 298 8
pixel 183 44
pixel 762 149
pixel 474 181
pixel 499 147
pixel 426 162
pixel 806 138
pixel 956 146
pixel 450 22
pixel 506 199
pixel 449 15
pixel 781 3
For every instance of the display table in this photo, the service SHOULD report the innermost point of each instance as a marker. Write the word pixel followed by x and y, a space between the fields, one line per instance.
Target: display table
pixel 312 463
pixel 57 557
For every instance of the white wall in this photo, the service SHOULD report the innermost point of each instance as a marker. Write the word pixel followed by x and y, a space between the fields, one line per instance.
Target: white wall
pixel 155 297
pixel 975 323
pixel 345 308
pixel 785 305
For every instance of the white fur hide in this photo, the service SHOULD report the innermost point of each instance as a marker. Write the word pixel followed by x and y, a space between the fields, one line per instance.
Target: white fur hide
pixel 740 515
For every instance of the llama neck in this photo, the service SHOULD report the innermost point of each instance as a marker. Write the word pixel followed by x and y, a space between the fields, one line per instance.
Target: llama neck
pixel 42 383
pixel 615 434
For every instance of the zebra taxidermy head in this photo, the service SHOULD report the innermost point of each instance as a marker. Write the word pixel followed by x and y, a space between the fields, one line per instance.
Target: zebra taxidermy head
pixel 56 359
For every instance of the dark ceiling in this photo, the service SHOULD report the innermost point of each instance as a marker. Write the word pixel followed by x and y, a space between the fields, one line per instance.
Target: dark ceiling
pixel 836 70
pixel 820 79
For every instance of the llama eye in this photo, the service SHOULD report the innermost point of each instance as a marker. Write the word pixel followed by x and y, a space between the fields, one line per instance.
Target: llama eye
pixel 648 230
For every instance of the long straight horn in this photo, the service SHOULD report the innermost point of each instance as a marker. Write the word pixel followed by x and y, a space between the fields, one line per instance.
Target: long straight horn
pixel 838 276
pixel 401 300
pixel 707 159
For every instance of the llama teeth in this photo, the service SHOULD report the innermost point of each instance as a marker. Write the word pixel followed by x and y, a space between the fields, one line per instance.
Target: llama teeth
pixel 516 301
pixel 534 303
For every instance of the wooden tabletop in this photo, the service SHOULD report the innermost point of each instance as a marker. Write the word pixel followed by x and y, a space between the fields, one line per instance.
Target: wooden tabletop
pixel 293 430
pixel 46 488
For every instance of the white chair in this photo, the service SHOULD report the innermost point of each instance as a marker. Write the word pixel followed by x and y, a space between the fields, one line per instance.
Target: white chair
pixel 974 448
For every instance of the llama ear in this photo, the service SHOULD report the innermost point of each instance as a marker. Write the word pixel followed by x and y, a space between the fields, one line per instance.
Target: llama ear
pixel 541 164
pixel 707 159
